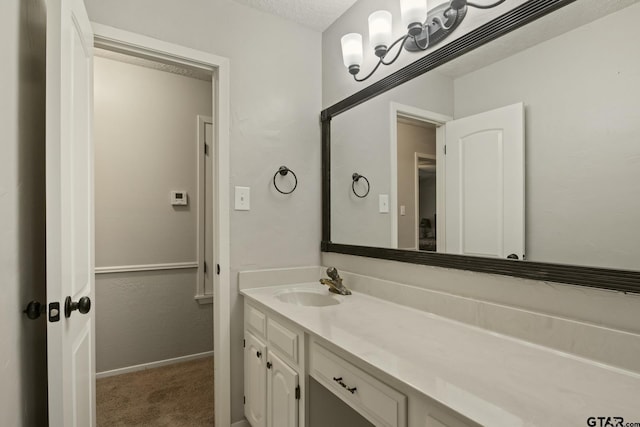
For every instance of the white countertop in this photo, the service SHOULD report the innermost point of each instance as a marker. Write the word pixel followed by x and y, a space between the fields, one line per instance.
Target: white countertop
pixel 491 379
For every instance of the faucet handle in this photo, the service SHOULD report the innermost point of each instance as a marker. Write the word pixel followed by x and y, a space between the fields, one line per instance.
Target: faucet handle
pixel 332 272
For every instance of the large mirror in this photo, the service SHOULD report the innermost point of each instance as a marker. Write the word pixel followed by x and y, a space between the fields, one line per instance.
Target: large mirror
pixel 526 148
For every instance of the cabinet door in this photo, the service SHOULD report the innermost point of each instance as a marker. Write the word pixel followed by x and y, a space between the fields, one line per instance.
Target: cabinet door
pixel 282 403
pixel 255 380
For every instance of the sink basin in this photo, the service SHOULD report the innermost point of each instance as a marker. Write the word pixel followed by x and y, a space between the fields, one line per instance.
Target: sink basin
pixel 308 298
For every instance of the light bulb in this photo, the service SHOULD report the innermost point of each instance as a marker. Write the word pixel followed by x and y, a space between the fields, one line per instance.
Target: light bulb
pixel 352 51
pixel 414 13
pixel 380 31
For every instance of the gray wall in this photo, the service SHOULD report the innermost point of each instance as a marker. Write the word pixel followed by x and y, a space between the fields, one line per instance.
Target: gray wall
pixel 145 129
pixel 148 316
pixel 412 139
pixel 275 105
pixel 23 363
pixel 582 133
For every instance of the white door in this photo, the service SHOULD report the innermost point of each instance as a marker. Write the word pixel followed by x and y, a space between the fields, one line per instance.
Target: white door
pixel 485 184
pixel 282 402
pixel 255 380
pixel 70 231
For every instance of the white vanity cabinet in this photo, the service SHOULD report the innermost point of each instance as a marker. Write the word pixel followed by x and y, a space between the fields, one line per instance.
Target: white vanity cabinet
pixel 278 357
pixel 273 366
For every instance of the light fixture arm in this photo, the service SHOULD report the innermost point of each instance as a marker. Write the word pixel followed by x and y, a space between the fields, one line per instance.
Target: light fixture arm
pixel 440 22
pixel 485 6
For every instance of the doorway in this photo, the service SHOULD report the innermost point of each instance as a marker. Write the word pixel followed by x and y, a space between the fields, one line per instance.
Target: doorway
pixel 418 167
pixel 153 241
pixel 216 137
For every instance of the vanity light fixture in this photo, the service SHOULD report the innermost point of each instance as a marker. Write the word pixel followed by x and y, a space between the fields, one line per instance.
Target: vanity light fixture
pixel 424 30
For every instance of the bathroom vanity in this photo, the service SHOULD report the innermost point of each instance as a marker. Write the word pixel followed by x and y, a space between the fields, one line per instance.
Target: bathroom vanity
pixel 398 367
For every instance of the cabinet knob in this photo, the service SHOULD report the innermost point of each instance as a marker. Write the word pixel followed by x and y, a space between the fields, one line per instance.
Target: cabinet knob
pixel 258 354
pixel 269 365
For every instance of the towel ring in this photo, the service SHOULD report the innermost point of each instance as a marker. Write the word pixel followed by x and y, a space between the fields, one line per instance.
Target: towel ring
pixel 283 170
pixel 356 177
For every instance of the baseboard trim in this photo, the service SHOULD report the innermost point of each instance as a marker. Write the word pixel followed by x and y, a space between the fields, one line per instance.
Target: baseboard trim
pixel 151 365
pixel 243 423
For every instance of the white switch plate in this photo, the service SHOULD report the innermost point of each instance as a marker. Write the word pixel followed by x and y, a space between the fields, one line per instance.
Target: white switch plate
pixel 243 198
pixel 403 210
pixel 384 203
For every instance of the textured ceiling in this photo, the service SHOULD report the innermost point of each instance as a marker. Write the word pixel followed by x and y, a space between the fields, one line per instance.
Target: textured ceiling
pixel 315 14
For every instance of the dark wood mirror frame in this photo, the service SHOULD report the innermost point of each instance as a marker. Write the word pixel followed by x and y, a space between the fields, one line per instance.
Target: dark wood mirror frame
pixel 618 280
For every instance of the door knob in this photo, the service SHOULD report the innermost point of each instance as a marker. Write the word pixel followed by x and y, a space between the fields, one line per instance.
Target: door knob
pixel 83 306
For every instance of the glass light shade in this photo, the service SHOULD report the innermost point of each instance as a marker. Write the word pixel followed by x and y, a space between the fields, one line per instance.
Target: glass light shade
pixel 380 29
pixel 413 11
pixel 352 49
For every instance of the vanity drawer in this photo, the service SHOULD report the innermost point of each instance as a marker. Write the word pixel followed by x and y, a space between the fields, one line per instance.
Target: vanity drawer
pixel 283 340
pixel 379 403
pixel 255 320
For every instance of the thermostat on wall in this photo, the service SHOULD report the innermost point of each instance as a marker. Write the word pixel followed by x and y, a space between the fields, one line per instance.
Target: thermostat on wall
pixel 179 198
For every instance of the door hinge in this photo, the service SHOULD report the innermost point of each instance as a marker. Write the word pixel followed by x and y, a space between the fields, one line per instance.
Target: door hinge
pixel 445 150
pixel 244 343
pixel 297 392
pixel 218 269
pixel 244 400
pixel 204 266
pixel 206 149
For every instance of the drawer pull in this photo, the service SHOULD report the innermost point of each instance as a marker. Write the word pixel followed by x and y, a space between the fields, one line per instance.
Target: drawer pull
pixel 352 390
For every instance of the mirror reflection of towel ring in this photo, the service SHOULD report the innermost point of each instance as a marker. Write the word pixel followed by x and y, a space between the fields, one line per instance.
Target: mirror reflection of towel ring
pixel 356 177
pixel 283 171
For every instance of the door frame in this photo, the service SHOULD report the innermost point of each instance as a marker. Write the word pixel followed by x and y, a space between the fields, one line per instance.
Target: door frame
pixel 416 196
pixel 202 188
pixel 137 45
pixel 401 110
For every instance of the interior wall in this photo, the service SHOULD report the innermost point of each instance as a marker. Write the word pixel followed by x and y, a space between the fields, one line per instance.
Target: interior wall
pixel 145 130
pixel 149 316
pixel 23 362
pixel 412 139
pixel 275 106
pixel 581 136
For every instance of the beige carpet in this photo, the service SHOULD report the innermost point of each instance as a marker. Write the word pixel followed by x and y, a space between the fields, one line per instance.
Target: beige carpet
pixel 175 395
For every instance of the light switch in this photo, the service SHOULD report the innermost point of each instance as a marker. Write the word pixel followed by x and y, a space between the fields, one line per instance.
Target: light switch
pixel 403 210
pixel 384 203
pixel 243 198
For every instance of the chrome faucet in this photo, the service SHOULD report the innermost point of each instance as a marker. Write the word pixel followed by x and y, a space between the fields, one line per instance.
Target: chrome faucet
pixel 335 282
